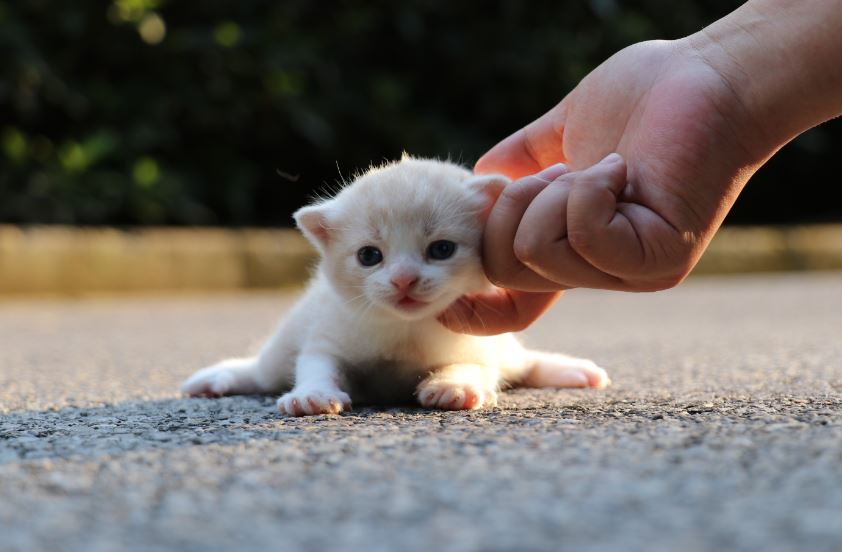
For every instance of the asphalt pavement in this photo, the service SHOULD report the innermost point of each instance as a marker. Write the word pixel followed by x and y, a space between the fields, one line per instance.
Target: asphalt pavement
pixel 722 431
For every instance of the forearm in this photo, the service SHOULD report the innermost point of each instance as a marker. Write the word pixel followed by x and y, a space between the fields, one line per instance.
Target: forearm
pixel 783 60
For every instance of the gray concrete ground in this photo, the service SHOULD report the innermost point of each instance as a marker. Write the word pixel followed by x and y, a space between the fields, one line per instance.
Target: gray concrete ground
pixel 723 430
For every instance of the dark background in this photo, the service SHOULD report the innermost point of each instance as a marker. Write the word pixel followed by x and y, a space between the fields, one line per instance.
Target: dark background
pixel 231 113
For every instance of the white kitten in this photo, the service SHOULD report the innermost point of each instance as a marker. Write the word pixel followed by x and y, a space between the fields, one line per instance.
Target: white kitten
pixel 398 245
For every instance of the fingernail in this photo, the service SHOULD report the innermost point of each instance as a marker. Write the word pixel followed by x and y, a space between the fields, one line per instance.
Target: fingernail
pixel 552 172
pixel 611 158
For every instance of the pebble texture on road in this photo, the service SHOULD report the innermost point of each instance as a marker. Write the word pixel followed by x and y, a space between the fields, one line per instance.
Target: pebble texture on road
pixel 722 430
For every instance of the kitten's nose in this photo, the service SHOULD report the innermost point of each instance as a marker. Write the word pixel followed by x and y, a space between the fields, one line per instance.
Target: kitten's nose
pixel 403 281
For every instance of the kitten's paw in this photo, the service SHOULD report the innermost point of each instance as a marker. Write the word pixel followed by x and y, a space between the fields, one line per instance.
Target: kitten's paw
pixel 562 371
pixel 311 402
pixel 455 395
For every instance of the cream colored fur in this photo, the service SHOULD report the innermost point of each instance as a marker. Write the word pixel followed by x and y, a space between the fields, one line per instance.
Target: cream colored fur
pixel 348 337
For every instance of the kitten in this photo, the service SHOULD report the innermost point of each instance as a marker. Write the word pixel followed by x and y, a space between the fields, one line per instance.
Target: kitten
pixel 397 246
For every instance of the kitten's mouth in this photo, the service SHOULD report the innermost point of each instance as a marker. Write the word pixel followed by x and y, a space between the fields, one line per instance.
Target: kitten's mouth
pixel 408 303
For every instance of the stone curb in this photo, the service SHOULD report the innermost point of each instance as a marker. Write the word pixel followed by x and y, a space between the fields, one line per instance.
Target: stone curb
pixel 770 249
pixel 66 260
pixel 73 260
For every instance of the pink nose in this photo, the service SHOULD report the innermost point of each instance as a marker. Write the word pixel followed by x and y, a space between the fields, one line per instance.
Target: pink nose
pixel 404 281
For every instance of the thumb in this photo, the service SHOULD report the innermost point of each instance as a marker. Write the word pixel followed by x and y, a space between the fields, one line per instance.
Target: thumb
pixel 497 311
pixel 530 149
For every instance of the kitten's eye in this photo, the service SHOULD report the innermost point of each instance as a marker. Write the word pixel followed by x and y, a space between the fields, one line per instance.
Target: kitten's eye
pixel 369 255
pixel 441 250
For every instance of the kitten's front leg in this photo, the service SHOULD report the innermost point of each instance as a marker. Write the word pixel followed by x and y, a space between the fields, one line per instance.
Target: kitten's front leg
pixel 459 387
pixel 316 389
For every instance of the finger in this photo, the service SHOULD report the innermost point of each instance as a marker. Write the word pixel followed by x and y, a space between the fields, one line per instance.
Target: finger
pixel 537 145
pixel 598 229
pixel 541 241
pixel 501 265
pixel 498 311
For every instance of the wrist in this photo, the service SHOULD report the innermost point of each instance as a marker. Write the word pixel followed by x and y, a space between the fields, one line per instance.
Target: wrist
pixel 781 61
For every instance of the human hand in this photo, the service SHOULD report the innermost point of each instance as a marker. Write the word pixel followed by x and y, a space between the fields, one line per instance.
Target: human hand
pixel 637 222
pixel 692 120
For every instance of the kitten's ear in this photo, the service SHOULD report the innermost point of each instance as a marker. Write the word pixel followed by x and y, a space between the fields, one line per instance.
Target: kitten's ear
pixel 313 223
pixel 490 186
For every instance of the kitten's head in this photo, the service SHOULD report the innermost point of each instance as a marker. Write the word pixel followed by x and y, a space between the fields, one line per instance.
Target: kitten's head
pixel 403 239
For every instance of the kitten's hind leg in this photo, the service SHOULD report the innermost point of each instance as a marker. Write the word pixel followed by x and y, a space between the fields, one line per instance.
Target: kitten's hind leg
pixel 459 387
pixel 235 376
pixel 557 370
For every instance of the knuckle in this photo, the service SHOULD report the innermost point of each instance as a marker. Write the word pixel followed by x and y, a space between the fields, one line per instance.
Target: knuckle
pixel 673 281
pixel 586 178
pixel 518 325
pixel 581 240
pixel 570 178
pixel 680 267
pixel 653 285
pixel 680 274
pixel 659 284
pixel 683 262
pixel 497 275
pixel 516 193
pixel 527 249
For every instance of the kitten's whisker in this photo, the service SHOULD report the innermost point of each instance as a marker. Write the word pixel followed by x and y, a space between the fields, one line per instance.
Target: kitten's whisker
pixel 366 310
pixel 492 309
pixel 475 312
pixel 463 322
pixel 455 318
pixel 354 299
pixel 342 178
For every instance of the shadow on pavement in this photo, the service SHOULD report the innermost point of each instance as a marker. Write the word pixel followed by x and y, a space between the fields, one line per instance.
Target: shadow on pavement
pixel 72 433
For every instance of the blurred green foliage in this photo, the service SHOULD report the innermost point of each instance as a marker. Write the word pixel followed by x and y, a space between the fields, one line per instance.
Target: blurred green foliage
pixel 163 112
